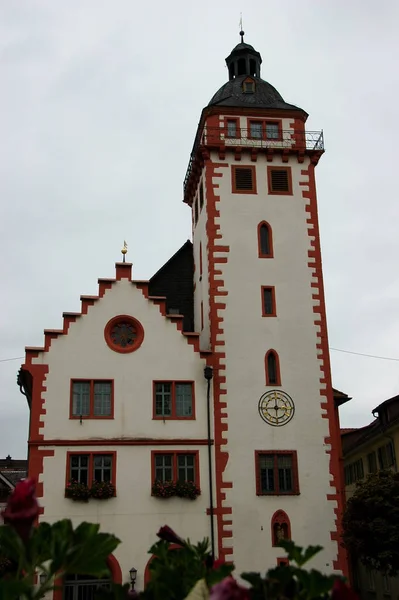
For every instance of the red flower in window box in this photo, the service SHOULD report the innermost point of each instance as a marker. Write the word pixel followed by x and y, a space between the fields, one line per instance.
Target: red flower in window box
pixel 163 489
pixel 77 491
pixel 187 489
pixel 22 508
pixel 102 490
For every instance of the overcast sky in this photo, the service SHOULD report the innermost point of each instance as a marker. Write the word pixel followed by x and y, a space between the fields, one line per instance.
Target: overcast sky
pixel 99 106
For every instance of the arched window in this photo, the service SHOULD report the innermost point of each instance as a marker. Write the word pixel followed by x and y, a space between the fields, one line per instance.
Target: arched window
pixel 265 240
pixel 272 367
pixel 281 527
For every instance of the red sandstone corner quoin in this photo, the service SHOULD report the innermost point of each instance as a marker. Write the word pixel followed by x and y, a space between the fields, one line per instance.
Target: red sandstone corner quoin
pixel 216 293
pixel 326 390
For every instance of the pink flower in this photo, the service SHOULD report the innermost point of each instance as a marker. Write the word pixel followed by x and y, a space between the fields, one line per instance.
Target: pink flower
pixel 22 508
pixel 167 534
pixel 229 589
pixel 342 591
pixel 219 562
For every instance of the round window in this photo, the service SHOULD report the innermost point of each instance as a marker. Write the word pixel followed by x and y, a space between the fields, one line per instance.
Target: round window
pixel 124 334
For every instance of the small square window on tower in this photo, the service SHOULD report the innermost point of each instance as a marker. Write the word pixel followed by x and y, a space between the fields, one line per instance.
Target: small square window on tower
pixel 243 180
pixel 248 86
pixel 279 180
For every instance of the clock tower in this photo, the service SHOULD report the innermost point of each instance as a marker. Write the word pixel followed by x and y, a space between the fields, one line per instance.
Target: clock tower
pixel 260 310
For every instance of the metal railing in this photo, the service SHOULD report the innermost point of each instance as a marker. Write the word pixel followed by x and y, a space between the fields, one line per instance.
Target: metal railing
pixel 287 139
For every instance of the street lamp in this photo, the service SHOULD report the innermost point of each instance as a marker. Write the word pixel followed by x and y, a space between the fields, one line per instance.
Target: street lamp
pixel 133 576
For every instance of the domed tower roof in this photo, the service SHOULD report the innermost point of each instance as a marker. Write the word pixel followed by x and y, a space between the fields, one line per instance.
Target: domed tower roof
pixel 243 64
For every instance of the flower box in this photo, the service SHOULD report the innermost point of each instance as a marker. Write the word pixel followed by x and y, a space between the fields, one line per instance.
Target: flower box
pixel 187 489
pixel 79 492
pixel 163 489
pixel 102 490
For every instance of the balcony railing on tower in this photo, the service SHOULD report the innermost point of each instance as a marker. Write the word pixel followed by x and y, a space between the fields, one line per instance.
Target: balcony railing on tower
pixel 289 139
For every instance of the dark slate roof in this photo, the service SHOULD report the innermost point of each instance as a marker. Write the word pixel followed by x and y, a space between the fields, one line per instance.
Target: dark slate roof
pixel 14 476
pixel 175 280
pixel 265 96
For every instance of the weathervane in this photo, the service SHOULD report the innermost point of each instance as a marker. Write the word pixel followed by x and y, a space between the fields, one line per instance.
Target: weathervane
pixel 241 29
pixel 124 250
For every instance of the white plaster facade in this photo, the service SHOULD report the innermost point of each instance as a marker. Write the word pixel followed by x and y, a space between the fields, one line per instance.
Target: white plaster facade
pixel 247 337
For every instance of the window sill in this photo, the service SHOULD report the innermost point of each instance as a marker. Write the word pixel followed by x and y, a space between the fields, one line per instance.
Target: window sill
pixel 156 418
pixel 278 494
pixel 285 193
pixel 245 192
pixel 91 418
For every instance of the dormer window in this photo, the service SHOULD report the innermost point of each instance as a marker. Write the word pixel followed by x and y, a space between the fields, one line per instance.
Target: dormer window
pixel 248 86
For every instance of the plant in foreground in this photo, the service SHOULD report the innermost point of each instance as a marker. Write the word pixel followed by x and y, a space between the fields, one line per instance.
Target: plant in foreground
pixel 179 569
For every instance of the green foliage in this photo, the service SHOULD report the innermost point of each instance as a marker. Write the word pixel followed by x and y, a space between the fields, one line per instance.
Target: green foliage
pixel 371 523
pixel 54 550
pixel 291 581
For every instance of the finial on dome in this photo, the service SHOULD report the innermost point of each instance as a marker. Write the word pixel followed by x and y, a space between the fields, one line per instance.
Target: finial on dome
pixel 124 250
pixel 242 32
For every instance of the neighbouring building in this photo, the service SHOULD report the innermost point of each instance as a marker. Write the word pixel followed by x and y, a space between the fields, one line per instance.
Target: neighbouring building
pixel 367 450
pixel 214 375
pixel 11 471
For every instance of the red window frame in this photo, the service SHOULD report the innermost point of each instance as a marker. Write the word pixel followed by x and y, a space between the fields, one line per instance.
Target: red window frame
pixel 282 562
pixel 273 294
pixel 91 455
pixel 295 478
pixel 269 181
pixel 278 374
pixel 260 253
pixel 264 122
pixel 175 454
pixel 173 416
pixel 91 414
pixel 234 168
pixel 280 517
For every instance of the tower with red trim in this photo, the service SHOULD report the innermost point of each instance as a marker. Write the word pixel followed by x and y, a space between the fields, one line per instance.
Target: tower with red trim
pixel 259 307
pixel 202 397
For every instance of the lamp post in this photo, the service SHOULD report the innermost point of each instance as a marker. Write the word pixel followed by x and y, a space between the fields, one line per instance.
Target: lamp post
pixel 133 576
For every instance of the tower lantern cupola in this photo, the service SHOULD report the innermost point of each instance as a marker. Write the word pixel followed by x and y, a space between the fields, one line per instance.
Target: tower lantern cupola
pixel 243 60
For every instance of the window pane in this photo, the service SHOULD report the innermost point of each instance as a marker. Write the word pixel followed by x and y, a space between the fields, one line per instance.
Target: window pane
pixel 185 467
pixel 268 301
pixel 272 368
pixel 372 462
pixel 272 131
pixel 163 399
pixel 264 240
pixel 266 473
pixel 256 129
pixel 284 465
pixel 79 465
pixel 102 467
pixel 81 398
pixel 163 467
pixel 102 398
pixel 184 401
pixel 231 128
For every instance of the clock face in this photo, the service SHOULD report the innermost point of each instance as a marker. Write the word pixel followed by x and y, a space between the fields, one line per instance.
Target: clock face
pixel 276 408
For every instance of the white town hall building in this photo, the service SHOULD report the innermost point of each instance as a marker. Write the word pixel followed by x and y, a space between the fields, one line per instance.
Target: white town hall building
pixel 210 383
